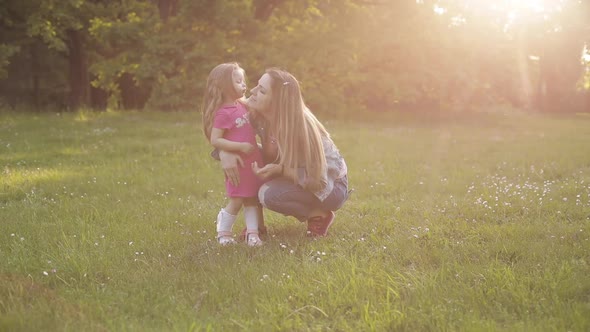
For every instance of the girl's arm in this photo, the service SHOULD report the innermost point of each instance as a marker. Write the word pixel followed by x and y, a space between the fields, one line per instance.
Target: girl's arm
pixel 221 143
pixel 230 162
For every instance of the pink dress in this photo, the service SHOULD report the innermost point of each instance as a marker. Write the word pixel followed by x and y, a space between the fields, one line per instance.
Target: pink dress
pixel 236 125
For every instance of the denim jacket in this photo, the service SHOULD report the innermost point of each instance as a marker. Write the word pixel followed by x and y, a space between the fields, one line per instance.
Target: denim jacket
pixel 335 168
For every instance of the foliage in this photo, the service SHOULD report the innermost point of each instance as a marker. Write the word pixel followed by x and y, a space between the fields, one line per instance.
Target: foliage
pixel 349 55
pixel 6 51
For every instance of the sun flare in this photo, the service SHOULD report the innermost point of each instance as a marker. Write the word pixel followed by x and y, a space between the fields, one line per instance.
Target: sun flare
pixel 504 7
pixel 509 11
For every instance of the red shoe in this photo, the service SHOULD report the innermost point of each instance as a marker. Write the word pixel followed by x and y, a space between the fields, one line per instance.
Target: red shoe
pixel 318 226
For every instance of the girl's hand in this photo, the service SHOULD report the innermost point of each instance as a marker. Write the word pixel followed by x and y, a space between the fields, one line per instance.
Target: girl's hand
pixel 230 163
pixel 267 171
pixel 247 148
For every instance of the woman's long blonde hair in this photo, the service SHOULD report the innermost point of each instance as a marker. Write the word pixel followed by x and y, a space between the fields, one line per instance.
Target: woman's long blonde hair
pixel 298 132
pixel 219 88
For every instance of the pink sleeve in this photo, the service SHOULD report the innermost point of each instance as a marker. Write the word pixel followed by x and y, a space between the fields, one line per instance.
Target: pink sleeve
pixel 222 120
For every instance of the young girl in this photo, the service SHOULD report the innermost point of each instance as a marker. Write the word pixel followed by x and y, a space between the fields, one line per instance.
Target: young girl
pixel 226 125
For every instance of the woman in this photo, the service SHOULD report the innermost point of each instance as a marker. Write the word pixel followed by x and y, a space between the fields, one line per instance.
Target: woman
pixel 305 175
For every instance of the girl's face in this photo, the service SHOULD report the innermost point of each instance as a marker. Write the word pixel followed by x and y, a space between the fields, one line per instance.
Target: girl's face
pixel 261 95
pixel 238 82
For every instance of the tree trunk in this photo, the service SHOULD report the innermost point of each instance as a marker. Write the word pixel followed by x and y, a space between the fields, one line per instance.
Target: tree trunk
pixel 78 66
pixel 35 74
pixel 98 98
pixel 167 8
pixel 560 70
pixel 263 8
pixel 132 96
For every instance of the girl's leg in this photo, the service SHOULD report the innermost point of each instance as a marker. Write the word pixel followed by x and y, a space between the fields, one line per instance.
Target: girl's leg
pixel 226 219
pixel 234 205
pixel 261 225
pixel 251 215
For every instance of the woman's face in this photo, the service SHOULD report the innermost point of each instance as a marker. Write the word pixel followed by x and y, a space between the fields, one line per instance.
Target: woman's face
pixel 261 95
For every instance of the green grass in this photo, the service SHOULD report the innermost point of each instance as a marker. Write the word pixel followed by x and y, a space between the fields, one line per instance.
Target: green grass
pixel 478 224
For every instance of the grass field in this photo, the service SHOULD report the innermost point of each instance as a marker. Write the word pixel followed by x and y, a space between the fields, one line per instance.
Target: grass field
pixel 478 224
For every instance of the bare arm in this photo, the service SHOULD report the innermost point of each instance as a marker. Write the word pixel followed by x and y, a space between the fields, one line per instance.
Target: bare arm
pixel 230 162
pixel 267 171
pixel 221 143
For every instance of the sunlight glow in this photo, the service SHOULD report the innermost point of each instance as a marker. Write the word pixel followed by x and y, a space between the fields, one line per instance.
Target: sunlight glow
pixel 509 13
pixel 458 20
pixel 535 5
pixel 586 55
pixel 509 9
pixel 439 10
pixel 18 177
pixel 511 5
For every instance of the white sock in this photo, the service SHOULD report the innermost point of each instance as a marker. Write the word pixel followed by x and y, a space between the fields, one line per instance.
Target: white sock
pixel 251 216
pixel 225 221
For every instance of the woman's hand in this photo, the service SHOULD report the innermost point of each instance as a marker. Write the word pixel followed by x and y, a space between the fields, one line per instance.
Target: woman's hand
pixel 230 163
pixel 267 171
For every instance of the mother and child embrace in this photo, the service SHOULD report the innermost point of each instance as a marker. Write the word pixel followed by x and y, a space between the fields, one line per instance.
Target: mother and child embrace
pixel 296 170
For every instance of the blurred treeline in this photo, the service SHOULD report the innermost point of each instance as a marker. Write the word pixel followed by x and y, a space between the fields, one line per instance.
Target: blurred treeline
pixel 350 55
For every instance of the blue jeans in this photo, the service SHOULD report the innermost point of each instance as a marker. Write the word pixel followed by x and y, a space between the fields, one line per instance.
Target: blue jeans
pixel 283 196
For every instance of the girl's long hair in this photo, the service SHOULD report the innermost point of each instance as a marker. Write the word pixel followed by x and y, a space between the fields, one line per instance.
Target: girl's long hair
pixel 219 88
pixel 298 132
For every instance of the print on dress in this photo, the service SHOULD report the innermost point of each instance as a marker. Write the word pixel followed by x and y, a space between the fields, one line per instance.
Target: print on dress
pixel 242 120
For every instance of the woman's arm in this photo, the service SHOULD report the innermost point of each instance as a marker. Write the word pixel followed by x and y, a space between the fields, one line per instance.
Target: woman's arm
pixel 268 171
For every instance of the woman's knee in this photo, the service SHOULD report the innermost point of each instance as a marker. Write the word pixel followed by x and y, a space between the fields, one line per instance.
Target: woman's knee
pixel 275 194
pixel 262 195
